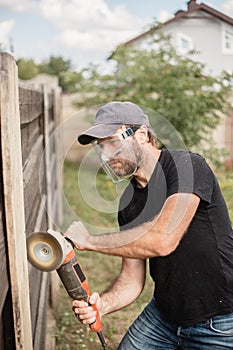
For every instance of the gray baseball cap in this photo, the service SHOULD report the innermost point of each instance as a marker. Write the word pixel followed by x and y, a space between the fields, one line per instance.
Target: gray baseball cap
pixel 110 117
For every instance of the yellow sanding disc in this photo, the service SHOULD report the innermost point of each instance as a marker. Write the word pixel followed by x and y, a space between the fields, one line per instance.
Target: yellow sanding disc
pixel 45 250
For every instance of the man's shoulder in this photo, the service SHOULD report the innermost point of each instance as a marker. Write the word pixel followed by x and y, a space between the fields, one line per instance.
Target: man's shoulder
pixel 180 154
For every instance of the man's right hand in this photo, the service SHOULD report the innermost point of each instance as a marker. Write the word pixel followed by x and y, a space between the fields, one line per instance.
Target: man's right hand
pixel 84 311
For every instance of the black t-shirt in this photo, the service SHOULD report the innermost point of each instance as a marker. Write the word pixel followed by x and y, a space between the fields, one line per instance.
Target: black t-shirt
pixel 195 282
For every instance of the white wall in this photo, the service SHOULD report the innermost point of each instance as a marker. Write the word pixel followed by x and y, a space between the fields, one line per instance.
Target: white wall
pixel 205 34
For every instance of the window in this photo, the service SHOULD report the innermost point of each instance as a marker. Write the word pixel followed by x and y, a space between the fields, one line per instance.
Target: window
pixel 227 40
pixel 184 44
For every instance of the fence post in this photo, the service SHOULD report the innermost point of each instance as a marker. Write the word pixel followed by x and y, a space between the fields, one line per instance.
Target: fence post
pixel 13 200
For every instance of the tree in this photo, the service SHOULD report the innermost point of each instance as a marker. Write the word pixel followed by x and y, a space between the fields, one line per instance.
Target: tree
pixel 27 68
pixel 55 65
pixel 70 81
pixel 172 85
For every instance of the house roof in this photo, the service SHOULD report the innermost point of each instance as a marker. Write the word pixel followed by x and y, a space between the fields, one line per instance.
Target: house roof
pixel 192 6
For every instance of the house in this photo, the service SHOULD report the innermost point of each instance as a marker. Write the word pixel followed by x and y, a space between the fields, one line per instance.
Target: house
pixel 210 33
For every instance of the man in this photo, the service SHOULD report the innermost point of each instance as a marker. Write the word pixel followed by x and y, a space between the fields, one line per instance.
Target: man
pixel 173 213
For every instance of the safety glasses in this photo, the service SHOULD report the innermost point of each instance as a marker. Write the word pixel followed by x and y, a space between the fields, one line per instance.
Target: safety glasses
pixel 113 147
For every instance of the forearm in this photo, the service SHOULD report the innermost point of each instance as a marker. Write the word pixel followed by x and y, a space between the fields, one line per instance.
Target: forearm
pixel 128 244
pixel 122 292
pixel 158 237
pixel 125 289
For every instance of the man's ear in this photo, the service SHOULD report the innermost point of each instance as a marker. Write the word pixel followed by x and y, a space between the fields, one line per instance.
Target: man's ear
pixel 142 135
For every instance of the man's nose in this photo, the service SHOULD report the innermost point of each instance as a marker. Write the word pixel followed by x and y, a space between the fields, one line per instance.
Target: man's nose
pixel 108 149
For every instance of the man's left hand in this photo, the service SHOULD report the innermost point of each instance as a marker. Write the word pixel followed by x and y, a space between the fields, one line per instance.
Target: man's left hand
pixel 79 235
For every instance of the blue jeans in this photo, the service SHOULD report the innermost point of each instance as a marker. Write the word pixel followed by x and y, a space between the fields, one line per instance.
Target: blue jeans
pixel 151 331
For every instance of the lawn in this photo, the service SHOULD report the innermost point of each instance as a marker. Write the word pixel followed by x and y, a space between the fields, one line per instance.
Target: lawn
pixel 101 269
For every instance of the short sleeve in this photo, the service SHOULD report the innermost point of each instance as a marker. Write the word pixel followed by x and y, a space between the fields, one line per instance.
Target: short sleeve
pixel 189 173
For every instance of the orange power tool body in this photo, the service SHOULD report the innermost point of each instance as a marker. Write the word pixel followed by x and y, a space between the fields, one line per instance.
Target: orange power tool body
pixel 50 251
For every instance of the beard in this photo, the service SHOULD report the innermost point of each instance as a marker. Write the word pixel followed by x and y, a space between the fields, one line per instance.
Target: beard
pixel 128 162
pixel 122 167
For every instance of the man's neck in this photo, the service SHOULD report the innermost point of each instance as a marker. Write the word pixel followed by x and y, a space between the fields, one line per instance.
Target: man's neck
pixel 150 159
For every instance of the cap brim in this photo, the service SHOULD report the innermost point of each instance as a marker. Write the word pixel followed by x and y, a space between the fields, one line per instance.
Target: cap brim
pixel 99 131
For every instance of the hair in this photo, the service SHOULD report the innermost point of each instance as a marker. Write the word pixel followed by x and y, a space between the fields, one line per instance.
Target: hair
pixel 152 138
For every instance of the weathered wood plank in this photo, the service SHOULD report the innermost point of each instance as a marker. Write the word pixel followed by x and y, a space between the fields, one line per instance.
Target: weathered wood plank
pixel 4 285
pixel 8 324
pixel 58 150
pixel 39 339
pixel 40 215
pixel 36 119
pixel 50 103
pixel 35 280
pixel 47 156
pixel 31 178
pixel 1 333
pixel 13 200
pixel 29 135
pixel 55 214
pixel 31 213
pixel 30 104
pixel 51 127
pixel 33 160
pixel 37 218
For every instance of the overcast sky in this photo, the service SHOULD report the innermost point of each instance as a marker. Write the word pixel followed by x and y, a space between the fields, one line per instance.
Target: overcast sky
pixel 85 31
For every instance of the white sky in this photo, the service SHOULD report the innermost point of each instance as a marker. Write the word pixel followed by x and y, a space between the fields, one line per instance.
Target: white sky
pixel 85 31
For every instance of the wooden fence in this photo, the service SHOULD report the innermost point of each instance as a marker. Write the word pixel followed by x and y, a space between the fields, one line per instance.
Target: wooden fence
pixel 30 201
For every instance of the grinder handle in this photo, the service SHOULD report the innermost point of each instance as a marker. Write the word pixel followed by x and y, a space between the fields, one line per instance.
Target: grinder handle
pixel 76 285
pixel 97 325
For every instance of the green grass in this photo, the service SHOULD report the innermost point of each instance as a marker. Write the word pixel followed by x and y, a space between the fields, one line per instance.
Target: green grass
pixel 226 183
pixel 100 269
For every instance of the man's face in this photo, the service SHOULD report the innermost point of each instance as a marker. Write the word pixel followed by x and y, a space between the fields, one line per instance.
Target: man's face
pixel 121 156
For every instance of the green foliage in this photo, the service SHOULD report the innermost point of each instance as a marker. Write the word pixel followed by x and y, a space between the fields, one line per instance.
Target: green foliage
pixel 70 81
pixel 170 84
pixel 55 65
pixel 27 68
pixel 226 181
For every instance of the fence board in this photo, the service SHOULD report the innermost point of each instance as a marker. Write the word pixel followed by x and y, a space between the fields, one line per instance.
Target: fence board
pixel 31 178
pixel 1 334
pixel 47 154
pixel 13 201
pixel 58 149
pixel 35 280
pixel 39 339
pixel 39 223
pixel 27 123
pixel 8 325
pixel 30 104
pixel 4 285
pixel 29 135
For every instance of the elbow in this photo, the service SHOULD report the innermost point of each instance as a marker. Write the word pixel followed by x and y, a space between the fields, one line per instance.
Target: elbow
pixel 138 290
pixel 166 247
pixel 165 251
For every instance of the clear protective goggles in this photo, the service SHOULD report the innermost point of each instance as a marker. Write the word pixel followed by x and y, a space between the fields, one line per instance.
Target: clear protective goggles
pixel 113 147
